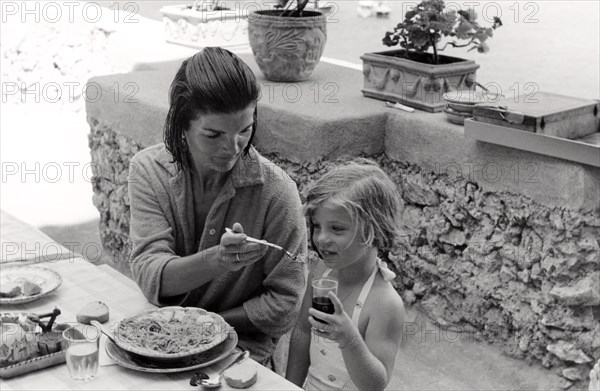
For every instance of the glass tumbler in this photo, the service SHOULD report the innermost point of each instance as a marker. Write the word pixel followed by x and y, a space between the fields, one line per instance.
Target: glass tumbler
pixel 321 286
pixel 83 348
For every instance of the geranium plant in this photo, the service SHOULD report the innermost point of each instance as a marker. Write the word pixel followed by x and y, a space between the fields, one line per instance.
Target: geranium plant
pixel 297 10
pixel 425 26
pixel 207 5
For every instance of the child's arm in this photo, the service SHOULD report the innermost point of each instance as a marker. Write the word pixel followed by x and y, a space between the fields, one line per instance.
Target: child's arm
pixel 369 361
pixel 298 356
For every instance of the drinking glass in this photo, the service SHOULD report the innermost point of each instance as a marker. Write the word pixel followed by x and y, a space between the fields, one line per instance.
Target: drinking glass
pixel 83 347
pixel 321 286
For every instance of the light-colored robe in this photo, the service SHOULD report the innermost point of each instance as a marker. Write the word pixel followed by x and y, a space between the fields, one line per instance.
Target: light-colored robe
pixel 257 194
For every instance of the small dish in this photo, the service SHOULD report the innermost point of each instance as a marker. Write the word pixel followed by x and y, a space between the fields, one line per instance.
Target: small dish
pixel 456 117
pixel 48 280
pixel 460 107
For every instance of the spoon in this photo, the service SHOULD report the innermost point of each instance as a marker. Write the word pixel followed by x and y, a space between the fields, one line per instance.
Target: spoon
pixel 269 244
pixel 107 333
pixel 215 381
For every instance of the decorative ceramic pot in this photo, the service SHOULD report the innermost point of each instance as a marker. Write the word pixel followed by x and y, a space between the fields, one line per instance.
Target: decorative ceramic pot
pixel 417 84
pixel 287 48
pixel 202 28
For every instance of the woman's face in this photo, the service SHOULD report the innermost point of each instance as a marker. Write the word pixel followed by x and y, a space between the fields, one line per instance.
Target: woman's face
pixel 216 141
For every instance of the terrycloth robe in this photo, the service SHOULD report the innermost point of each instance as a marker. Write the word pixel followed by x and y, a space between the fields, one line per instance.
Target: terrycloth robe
pixel 257 194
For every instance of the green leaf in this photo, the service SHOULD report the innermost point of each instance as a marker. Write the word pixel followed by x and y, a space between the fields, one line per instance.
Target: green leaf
pixel 463 28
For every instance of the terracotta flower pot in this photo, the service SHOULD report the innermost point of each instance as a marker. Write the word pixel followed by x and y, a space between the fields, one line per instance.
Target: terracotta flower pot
pixel 417 84
pixel 287 48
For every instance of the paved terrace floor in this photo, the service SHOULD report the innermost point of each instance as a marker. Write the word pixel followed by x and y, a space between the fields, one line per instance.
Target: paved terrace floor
pixel 430 359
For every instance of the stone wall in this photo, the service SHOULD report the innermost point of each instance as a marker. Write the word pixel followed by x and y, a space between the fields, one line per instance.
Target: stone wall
pixel 111 154
pixel 514 263
pixel 495 265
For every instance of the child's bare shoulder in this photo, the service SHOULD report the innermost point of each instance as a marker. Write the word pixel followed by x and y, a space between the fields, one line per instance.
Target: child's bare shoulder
pixel 386 299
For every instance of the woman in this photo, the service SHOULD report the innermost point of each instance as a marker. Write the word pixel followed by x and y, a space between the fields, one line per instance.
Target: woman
pixel 207 177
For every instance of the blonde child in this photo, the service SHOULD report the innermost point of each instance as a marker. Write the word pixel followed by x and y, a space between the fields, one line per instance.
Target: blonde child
pixel 352 213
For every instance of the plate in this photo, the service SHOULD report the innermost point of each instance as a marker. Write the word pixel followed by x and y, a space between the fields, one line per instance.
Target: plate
pixel 144 364
pixel 456 117
pixel 47 279
pixel 187 325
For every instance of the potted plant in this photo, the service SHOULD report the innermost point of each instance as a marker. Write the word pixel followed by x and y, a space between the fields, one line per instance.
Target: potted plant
pixel 287 41
pixel 415 76
pixel 204 23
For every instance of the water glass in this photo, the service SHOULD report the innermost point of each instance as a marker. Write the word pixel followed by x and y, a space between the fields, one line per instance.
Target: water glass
pixel 321 286
pixel 83 350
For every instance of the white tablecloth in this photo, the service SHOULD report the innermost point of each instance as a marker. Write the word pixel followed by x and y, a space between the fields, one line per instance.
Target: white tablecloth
pixel 84 282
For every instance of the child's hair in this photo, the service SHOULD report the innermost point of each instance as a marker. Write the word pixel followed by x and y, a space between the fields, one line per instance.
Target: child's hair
pixel 368 195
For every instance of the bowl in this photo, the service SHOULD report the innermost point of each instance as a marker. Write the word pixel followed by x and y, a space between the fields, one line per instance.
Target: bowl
pixel 457 117
pixel 460 107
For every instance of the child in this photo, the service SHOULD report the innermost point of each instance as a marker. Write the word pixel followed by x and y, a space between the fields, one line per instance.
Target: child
pixel 352 213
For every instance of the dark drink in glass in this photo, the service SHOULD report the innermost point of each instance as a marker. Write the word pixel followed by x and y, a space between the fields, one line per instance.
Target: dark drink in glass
pixel 321 302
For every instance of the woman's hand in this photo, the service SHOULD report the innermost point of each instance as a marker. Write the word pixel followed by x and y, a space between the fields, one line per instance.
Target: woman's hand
pixel 339 326
pixel 236 253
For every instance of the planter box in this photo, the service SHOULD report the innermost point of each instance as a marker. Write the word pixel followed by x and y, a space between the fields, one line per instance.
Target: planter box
pixel 413 83
pixel 199 29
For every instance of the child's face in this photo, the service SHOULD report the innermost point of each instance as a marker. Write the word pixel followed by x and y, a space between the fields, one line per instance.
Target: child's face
pixel 337 238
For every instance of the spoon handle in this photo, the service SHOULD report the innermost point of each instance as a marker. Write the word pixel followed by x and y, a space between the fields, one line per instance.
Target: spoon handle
pixel 240 358
pixel 105 332
pixel 268 244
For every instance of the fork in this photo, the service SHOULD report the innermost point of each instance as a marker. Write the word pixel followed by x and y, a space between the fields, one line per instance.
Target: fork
pixel 264 242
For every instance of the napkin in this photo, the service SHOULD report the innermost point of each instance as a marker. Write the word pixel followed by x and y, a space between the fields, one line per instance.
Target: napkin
pixel 104 360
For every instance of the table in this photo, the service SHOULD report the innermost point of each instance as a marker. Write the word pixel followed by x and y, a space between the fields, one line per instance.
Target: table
pixel 84 282
pixel 25 243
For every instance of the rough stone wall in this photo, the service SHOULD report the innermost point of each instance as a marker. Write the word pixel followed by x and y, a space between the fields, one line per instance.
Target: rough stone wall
pixel 496 266
pixel 111 154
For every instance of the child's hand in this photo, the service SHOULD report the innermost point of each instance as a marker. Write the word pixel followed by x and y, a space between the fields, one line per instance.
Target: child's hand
pixel 339 327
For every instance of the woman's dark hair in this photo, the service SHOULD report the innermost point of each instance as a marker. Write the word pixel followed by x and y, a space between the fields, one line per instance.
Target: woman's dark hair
pixel 213 81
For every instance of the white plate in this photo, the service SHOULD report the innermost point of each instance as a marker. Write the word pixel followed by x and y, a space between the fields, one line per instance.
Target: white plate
pixel 173 314
pixel 143 364
pixel 47 279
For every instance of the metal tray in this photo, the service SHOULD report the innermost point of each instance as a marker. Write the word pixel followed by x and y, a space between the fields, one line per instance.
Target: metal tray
pixel 33 364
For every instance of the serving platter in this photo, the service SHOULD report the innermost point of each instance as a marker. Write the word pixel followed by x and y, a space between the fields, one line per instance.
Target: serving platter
pixel 171 333
pixel 48 280
pixel 145 364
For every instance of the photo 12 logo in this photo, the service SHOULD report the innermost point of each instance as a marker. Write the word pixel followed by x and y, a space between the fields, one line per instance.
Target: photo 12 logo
pixel 67 91
pixel 517 11
pixel 68 11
